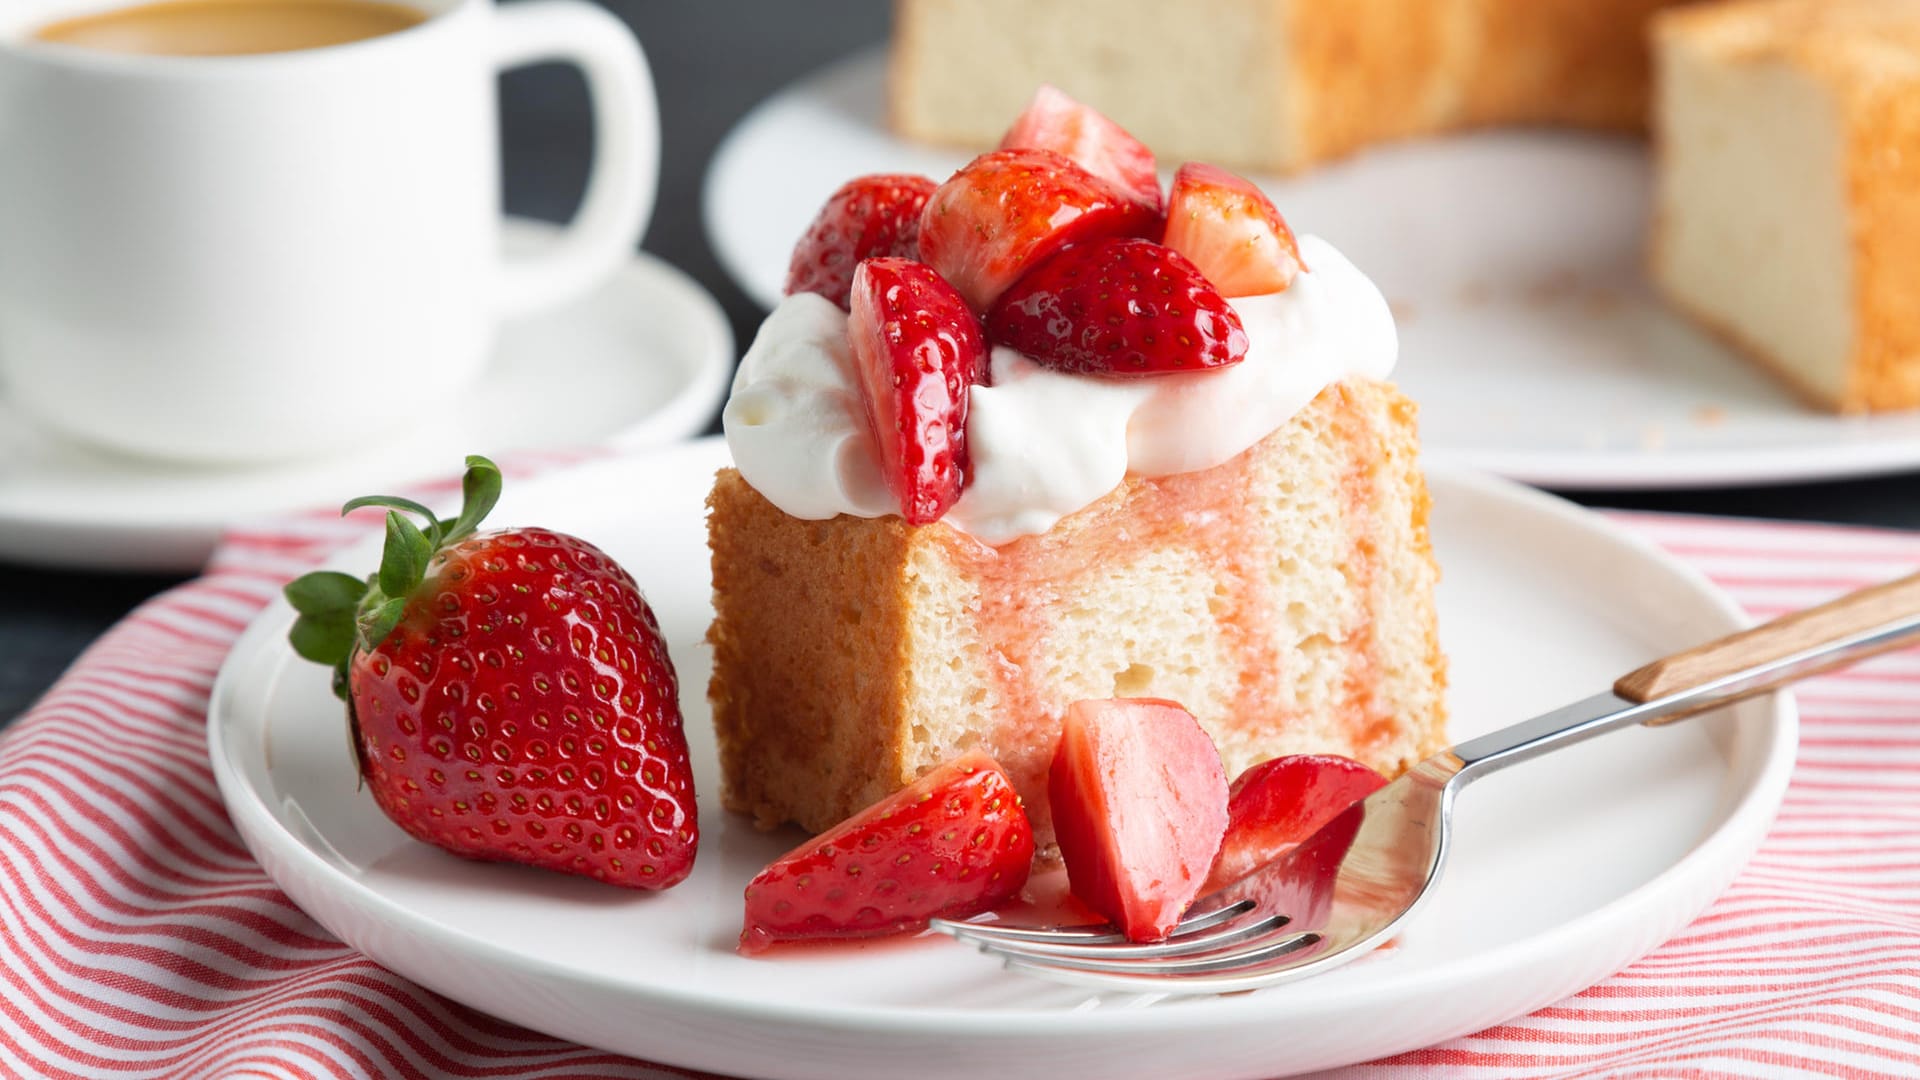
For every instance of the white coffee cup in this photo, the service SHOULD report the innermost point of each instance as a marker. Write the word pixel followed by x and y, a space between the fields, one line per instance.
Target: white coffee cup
pixel 247 258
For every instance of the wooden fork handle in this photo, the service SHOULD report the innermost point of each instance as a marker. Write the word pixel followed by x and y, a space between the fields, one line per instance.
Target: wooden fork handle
pixel 1750 652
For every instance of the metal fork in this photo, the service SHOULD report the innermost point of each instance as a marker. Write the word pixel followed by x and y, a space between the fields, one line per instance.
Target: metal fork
pixel 1342 891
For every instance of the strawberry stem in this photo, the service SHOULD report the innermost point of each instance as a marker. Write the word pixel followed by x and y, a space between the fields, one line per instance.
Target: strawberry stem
pixel 340 614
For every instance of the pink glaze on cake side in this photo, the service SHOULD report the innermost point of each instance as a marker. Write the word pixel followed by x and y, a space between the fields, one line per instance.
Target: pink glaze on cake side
pixel 1021 584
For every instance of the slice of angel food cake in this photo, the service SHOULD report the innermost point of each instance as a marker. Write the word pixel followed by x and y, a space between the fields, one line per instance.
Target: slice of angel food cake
pixel 1044 434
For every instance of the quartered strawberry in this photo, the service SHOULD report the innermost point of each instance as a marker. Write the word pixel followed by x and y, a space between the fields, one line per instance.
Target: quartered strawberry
pixel 916 349
pixel 1118 307
pixel 952 844
pixel 509 694
pixel 1139 802
pixel 1276 804
pixel 869 216
pixel 1231 231
pixel 1053 121
pixel 1006 210
pixel 1302 880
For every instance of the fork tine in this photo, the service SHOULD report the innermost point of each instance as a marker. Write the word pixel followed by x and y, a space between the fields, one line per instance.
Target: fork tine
pixel 990 933
pixel 1205 964
pixel 1194 924
pixel 994 933
pixel 1222 936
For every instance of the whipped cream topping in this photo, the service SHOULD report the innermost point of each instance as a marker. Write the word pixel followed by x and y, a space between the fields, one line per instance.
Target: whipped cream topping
pixel 1045 443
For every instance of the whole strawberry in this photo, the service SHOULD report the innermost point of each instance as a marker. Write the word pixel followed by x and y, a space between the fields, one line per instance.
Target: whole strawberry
pixel 508 694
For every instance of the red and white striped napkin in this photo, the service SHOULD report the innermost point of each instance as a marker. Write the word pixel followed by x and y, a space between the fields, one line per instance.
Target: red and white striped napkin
pixel 140 939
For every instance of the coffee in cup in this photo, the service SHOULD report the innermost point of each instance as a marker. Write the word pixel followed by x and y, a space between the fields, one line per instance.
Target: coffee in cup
pixel 231 27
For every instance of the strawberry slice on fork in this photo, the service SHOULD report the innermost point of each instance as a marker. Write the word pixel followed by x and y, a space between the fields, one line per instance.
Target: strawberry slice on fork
pixel 1139 803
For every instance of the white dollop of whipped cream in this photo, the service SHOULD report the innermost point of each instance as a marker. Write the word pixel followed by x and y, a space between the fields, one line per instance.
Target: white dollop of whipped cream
pixel 1045 443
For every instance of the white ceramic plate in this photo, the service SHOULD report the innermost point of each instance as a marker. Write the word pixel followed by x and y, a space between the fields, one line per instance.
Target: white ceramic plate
pixel 643 359
pixel 1566 870
pixel 1528 332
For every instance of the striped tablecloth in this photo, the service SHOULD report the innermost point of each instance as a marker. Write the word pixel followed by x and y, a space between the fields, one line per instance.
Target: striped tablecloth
pixel 141 940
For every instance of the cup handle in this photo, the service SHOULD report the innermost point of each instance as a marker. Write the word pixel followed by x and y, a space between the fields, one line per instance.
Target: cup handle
pixel 626 130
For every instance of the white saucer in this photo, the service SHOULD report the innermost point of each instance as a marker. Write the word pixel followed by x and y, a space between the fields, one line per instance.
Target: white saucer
pixel 1567 868
pixel 644 359
pixel 1528 332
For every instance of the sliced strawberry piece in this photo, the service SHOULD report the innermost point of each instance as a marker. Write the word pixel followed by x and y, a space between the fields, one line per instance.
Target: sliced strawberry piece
pixel 1118 307
pixel 1231 231
pixel 916 350
pixel 1301 881
pixel 1053 121
pixel 869 216
pixel 952 844
pixel 1277 804
pixel 1006 210
pixel 1139 804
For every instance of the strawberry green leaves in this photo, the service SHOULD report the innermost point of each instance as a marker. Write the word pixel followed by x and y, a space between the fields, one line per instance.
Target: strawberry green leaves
pixel 403 561
pixel 339 613
pixel 479 490
pixel 326 601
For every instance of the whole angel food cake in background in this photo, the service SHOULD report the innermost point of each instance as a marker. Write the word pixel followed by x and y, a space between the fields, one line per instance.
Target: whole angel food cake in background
pixel 1043 434
pixel 1272 84
pixel 1788 176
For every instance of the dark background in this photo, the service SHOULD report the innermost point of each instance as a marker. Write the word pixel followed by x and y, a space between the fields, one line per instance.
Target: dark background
pixel 712 61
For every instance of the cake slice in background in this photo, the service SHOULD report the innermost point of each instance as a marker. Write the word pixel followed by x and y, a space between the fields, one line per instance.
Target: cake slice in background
pixel 1271 85
pixel 1788 208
